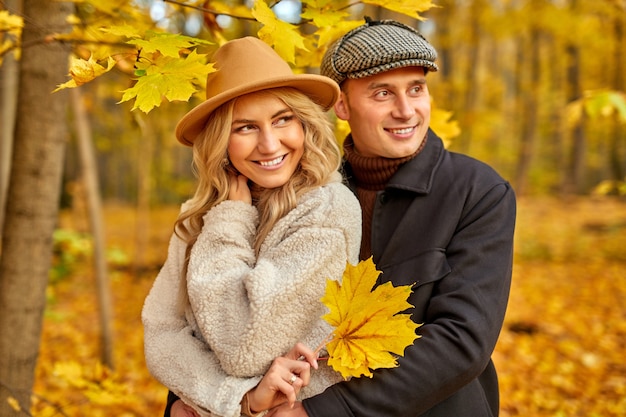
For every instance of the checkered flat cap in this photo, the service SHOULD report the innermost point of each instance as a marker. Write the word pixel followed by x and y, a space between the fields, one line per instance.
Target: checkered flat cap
pixel 375 47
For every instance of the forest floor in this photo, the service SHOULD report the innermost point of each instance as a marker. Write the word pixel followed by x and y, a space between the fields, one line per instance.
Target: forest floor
pixel 561 352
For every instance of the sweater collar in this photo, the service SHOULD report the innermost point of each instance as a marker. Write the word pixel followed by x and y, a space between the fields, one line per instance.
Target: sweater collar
pixel 372 173
pixel 413 173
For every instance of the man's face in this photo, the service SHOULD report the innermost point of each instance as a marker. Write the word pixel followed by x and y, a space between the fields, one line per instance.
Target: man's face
pixel 388 113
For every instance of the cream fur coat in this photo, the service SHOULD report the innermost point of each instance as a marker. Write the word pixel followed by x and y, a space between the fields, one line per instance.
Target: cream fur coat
pixel 246 310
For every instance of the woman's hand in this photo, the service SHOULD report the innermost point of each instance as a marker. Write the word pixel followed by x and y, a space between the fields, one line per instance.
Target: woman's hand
pixel 284 379
pixel 239 190
pixel 180 409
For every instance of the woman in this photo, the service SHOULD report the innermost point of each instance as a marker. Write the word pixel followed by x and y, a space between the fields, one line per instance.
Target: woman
pixel 270 221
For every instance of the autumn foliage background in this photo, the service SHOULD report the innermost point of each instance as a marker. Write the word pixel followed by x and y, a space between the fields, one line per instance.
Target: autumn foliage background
pixel 536 89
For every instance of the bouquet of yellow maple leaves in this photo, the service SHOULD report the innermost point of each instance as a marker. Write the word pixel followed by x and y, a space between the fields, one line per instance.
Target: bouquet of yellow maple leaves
pixel 370 330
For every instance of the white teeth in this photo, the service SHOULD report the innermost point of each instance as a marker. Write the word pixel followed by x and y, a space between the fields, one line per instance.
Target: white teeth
pixel 273 162
pixel 401 131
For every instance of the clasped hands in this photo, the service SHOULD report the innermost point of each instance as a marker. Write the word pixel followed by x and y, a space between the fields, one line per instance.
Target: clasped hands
pixel 283 380
pixel 278 389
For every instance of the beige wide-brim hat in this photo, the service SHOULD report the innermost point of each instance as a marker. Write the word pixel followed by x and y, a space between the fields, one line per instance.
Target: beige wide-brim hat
pixel 247 65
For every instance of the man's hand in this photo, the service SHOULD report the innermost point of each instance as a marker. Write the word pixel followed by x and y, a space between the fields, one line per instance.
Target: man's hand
pixel 285 410
pixel 180 409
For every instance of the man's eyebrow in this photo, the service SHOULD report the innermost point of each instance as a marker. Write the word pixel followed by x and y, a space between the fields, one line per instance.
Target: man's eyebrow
pixel 375 85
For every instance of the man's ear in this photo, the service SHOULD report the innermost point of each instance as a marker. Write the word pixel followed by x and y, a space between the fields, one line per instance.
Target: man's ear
pixel 341 107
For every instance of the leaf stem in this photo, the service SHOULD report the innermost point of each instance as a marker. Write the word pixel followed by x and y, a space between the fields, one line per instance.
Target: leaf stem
pixel 324 342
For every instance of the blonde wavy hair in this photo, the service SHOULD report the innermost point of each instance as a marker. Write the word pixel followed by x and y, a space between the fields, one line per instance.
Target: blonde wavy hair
pixel 319 162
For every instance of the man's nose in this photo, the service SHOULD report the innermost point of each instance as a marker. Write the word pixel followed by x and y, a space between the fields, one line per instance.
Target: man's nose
pixel 404 108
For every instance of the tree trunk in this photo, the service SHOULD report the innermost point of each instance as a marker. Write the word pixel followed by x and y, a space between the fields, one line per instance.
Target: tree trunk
pixel 32 198
pixel 471 96
pixel 528 128
pixel 8 104
pixel 617 134
pixel 94 206
pixel 144 181
pixel 573 176
pixel 575 165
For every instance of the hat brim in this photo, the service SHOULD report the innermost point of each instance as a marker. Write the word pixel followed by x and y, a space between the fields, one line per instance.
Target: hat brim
pixel 322 90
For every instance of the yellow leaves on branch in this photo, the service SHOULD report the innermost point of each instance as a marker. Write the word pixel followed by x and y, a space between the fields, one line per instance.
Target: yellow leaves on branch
pixel 166 65
pixel 410 8
pixel 174 79
pixel 11 26
pixel 283 36
pixel 170 66
pixel 82 71
pixel 370 328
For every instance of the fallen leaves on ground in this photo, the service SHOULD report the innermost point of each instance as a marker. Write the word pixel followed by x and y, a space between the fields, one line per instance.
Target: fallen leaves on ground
pixel 561 352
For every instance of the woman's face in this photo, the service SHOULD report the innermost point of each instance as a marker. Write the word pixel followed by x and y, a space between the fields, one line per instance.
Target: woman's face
pixel 266 140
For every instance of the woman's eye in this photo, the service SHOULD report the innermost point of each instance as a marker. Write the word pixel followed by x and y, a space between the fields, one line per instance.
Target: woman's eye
pixel 283 120
pixel 244 128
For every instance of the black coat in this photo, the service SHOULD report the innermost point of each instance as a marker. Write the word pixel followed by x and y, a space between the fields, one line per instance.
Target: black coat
pixel 444 223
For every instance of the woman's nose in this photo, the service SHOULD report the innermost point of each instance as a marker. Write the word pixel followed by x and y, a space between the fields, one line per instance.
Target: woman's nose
pixel 268 141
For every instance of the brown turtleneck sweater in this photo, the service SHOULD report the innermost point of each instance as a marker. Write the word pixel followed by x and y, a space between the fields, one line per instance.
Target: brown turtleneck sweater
pixel 371 175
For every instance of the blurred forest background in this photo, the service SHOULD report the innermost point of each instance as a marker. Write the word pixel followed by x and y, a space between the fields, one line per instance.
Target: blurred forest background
pixel 536 88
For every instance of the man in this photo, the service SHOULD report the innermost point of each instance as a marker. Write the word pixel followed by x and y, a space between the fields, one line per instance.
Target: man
pixel 439 220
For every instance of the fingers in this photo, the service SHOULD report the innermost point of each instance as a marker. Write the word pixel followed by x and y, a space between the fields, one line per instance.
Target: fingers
pixel 239 190
pixel 284 379
pixel 302 352
pixel 282 382
pixel 300 368
pixel 290 376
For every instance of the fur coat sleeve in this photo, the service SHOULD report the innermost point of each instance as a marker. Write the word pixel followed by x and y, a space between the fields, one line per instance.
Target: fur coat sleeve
pixel 245 310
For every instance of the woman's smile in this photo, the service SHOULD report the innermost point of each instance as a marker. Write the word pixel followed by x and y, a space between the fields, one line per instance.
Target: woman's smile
pixel 266 141
pixel 273 162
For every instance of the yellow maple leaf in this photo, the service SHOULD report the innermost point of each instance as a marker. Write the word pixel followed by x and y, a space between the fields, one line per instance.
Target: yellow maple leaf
pixel 370 328
pixel 282 36
pixel 82 71
pixel 409 8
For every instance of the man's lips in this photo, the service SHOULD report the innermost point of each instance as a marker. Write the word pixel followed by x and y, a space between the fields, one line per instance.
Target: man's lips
pixel 401 131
